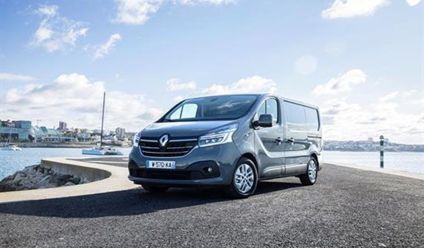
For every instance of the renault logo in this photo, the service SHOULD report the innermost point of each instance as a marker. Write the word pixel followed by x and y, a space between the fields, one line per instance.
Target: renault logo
pixel 163 140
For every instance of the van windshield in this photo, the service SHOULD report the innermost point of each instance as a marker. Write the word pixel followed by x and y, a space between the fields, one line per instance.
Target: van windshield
pixel 212 108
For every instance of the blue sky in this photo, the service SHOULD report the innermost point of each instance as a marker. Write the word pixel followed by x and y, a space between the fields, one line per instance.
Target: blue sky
pixel 360 61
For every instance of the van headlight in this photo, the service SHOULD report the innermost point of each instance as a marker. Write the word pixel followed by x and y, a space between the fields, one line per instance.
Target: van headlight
pixel 218 136
pixel 136 139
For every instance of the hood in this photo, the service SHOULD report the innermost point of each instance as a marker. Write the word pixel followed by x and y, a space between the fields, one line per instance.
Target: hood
pixel 182 129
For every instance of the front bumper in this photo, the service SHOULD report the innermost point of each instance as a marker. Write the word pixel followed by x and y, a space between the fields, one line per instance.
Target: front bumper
pixel 191 169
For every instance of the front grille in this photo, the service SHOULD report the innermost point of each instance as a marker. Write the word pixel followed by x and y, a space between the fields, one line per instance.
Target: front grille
pixel 174 147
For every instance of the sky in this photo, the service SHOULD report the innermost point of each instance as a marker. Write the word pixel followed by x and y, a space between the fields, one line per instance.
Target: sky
pixel 360 61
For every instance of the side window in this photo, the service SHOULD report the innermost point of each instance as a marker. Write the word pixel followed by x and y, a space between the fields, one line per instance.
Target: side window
pixel 295 115
pixel 272 109
pixel 270 106
pixel 312 119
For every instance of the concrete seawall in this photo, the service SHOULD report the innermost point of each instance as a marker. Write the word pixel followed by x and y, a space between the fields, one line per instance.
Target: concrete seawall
pixel 104 178
pixel 87 173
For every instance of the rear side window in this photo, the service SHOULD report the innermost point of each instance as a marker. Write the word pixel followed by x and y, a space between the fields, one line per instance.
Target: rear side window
pixel 301 118
pixel 312 122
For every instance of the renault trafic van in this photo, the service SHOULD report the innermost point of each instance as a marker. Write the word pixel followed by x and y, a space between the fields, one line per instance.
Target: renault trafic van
pixel 232 141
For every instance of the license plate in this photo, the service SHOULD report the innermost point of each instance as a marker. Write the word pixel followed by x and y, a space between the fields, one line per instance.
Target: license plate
pixel 161 164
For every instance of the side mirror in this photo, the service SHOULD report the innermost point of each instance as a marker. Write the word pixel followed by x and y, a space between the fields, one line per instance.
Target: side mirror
pixel 265 120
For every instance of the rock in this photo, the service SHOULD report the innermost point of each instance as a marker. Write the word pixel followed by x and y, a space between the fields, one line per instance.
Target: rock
pixel 60 179
pixel 75 180
pixel 37 176
pixel 19 176
pixel 44 181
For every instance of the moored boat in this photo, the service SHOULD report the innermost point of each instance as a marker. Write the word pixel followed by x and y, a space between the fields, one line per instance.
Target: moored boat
pixel 11 148
pixel 101 151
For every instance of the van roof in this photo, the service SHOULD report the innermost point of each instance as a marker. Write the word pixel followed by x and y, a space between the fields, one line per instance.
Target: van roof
pixel 261 95
pixel 225 95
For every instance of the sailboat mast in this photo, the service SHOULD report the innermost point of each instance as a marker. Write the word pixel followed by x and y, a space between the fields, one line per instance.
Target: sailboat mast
pixel 103 119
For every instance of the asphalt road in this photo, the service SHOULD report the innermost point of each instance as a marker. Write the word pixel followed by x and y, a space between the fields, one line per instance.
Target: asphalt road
pixel 346 208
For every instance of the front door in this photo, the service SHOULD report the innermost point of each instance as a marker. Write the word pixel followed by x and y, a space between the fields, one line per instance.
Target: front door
pixel 269 140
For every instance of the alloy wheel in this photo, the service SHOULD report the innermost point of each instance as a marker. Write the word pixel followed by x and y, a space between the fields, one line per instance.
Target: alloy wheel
pixel 244 178
pixel 312 170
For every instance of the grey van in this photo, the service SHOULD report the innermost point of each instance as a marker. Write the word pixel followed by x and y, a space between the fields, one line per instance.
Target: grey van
pixel 232 141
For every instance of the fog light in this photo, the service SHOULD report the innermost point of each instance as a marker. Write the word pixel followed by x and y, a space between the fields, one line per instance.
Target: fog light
pixel 209 169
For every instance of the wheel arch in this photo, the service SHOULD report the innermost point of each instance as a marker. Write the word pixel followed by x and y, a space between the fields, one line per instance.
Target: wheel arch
pixel 251 157
pixel 315 156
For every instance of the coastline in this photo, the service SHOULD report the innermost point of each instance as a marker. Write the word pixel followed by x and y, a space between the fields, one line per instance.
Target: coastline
pixel 61 145
pixel 418 176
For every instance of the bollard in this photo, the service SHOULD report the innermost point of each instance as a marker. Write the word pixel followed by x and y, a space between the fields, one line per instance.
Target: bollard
pixel 381 151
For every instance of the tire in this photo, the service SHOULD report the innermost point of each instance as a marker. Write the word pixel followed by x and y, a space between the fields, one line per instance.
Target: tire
pixel 154 189
pixel 311 175
pixel 245 179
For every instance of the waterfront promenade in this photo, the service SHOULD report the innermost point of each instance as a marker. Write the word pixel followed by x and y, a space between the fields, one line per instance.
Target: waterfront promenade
pixel 347 207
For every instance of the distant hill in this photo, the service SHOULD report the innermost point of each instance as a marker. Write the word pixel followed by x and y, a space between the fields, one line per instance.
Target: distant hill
pixel 361 146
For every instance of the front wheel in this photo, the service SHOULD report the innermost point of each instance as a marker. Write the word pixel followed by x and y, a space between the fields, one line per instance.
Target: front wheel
pixel 245 179
pixel 310 177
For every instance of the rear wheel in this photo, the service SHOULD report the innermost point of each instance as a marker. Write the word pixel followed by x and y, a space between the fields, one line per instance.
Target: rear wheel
pixel 245 179
pixel 154 189
pixel 311 175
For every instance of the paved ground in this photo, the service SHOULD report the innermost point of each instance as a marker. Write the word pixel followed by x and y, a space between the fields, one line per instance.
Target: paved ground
pixel 346 208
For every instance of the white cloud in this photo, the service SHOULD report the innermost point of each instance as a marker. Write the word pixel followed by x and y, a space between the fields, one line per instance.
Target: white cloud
pixel 76 99
pixel 213 2
pixel 306 65
pixel 254 84
pixel 341 84
pixel 344 120
pixel 4 76
pixel 352 8
pixel 136 11
pixel 396 114
pixel 55 32
pixel 413 2
pixel 48 10
pixel 105 48
pixel 389 96
pixel 175 84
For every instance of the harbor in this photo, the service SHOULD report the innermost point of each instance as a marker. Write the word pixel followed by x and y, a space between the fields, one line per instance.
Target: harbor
pixel 212 123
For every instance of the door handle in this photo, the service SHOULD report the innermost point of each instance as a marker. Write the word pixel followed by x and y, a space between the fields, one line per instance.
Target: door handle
pixel 278 140
pixel 290 140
